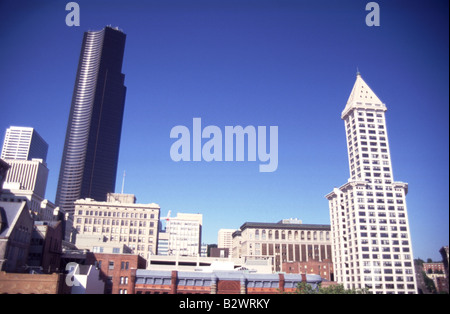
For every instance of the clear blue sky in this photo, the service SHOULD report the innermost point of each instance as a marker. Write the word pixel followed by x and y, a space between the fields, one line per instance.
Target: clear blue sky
pixel 286 63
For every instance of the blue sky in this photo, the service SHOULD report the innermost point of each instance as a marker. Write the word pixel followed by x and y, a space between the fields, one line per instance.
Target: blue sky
pixel 290 64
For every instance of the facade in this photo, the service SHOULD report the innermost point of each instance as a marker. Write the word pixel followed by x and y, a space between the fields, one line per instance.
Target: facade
pixel 207 264
pixel 225 239
pixel 183 234
pixel 436 272
pixel 23 143
pixel 218 282
pixel 285 241
pixel 369 220
pixel 118 271
pixel 46 246
pixel 86 280
pixel 14 283
pixel 119 221
pixel 4 166
pixel 322 268
pixel 16 227
pixel 29 175
pixel 91 148
pixel 26 180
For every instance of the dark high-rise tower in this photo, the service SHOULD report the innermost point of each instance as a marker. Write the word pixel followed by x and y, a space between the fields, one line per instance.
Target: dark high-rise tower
pixel 91 148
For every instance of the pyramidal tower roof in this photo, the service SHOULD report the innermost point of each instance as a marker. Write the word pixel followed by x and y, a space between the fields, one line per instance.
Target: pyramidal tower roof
pixel 362 96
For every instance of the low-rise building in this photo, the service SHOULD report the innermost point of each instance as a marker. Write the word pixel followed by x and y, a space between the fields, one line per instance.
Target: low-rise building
pixel 118 271
pixel 16 227
pixel 218 282
pixel 286 241
pixel 120 220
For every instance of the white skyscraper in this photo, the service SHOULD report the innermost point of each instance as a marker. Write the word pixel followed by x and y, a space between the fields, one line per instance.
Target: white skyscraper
pixel 23 143
pixel 371 240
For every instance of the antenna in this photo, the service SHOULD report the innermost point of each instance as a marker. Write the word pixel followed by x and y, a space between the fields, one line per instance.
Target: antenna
pixel 123 181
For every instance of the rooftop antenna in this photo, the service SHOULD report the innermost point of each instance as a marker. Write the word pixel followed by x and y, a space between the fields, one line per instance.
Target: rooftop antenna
pixel 357 71
pixel 123 181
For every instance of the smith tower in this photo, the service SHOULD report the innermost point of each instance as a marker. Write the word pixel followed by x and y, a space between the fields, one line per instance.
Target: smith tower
pixel 371 240
pixel 91 148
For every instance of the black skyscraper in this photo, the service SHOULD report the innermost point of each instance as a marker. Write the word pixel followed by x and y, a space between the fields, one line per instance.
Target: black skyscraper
pixel 91 148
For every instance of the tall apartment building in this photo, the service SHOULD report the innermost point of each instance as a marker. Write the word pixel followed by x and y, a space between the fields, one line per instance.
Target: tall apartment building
pixel 119 220
pixel 282 242
pixel 91 148
pixel 182 235
pixel 225 239
pixel 23 143
pixel 369 220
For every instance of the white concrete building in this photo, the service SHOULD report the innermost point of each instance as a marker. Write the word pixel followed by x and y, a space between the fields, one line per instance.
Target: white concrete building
pixel 23 143
pixel 183 234
pixel 371 240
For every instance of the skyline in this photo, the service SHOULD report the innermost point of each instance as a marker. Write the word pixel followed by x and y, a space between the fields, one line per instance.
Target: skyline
pixel 291 64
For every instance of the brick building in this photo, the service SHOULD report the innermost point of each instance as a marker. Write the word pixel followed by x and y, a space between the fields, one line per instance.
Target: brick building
pixel 322 268
pixel 118 271
pixel 218 282
pixel 14 283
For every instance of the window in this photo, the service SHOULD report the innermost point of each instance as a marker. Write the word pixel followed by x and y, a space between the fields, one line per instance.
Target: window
pixel 111 265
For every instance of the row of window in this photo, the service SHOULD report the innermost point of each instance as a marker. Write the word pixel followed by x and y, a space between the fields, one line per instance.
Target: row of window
pixel 115 230
pixel 123 214
pixel 112 222
pixel 289 235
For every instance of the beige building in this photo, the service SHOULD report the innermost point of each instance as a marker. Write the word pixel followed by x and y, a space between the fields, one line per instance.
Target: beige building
pixel 286 241
pixel 225 239
pixel 120 220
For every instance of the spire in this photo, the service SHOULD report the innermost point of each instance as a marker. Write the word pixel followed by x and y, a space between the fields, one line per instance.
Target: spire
pixel 362 96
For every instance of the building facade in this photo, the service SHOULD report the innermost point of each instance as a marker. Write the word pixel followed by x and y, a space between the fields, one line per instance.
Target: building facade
pixel 182 235
pixel 285 241
pixel 91 148
pixel 225 239
pixel 29 175
pixel 121 221
pixel 118 271
pixel 23 143
pixel 369 220
pixel 16 227
pixel 220 282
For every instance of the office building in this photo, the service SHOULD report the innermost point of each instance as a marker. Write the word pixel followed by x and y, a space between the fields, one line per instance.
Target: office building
pixel 91 148
pixel 28 175
pixel 117 220
pixel 369 220
pixel 286 241
pixel 182 235
pixel 225 239
pixel 23 143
